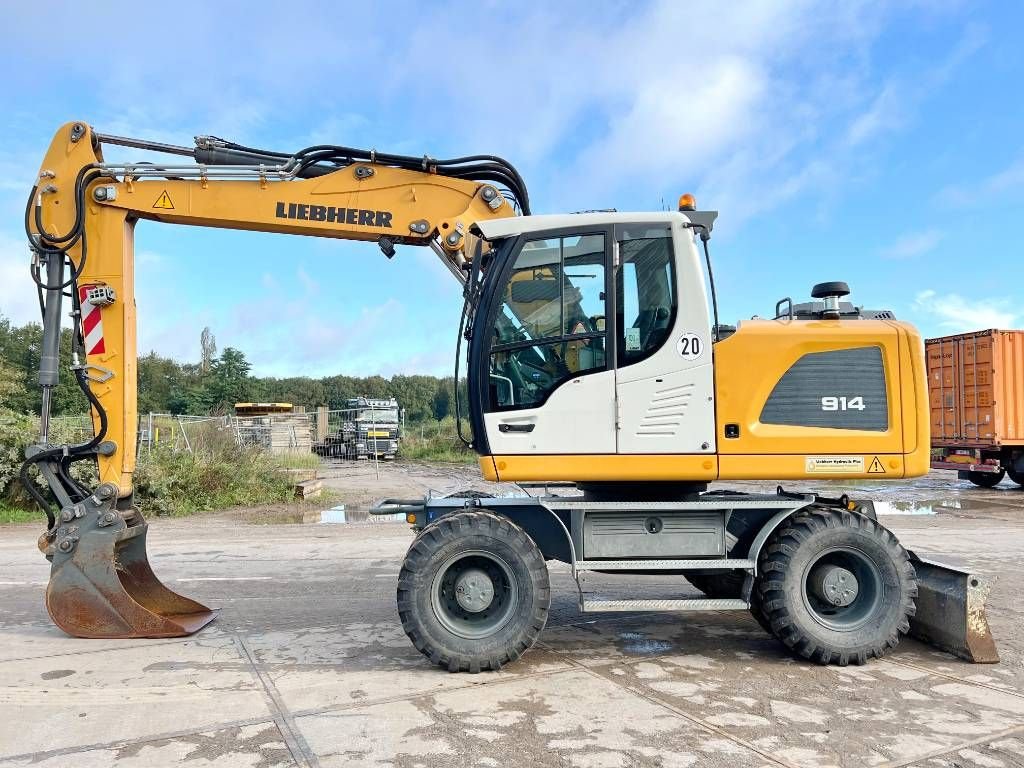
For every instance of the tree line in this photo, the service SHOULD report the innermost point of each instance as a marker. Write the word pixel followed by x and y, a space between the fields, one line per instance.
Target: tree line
pixel 210 386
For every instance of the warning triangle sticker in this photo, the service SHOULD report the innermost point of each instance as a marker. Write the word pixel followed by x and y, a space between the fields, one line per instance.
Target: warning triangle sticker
pixel 876 467
pixel 164 201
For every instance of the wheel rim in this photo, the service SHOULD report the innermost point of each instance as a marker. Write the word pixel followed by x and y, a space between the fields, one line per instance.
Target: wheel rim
pixel 842 588
pixel 474 594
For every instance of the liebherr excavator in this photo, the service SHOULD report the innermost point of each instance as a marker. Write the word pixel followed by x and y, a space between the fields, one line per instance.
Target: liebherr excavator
pixel 593 355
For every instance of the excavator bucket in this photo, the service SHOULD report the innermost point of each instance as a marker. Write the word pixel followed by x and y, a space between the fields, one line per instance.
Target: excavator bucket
pixel 951 611
pixel 102 586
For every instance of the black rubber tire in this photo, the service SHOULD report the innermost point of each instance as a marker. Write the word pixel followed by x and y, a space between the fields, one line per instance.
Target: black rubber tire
pixel 1015 476
pixel 986 479
pixel 757 611
pixel 729 585
pixel 723 585
pixel 464 532
pixel 785 562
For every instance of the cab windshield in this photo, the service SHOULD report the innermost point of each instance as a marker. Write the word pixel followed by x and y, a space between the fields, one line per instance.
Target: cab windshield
pixel 551 323
pixel 379 415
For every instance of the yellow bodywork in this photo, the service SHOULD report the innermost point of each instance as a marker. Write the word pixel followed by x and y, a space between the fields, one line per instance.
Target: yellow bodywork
pixel 751 362
pixel 748 365
pixel 446 204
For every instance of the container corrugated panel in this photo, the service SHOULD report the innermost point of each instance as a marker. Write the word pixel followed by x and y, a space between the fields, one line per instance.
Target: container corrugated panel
pixel 976 388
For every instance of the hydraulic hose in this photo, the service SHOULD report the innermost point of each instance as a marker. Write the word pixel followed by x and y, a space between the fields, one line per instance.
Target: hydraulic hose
pixel 458 357
pixel 310 163
pixel 68 453
pixel 57 246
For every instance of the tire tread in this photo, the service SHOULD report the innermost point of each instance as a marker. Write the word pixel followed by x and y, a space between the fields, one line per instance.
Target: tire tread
pixel 774 566
pixel 451 528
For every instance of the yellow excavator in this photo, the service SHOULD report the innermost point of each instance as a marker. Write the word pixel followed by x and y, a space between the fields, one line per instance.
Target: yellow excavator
pixel 593 355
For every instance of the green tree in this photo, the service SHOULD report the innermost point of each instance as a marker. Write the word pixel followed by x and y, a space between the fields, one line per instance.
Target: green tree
pixel 11 384
pixel 167 385
pixel 229 379
pixel 20 348
pixel 158 379
pixel 338 389
pixel 443 399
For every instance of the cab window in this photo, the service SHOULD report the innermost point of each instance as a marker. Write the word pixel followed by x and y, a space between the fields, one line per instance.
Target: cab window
pixel 551 323
pixel 646 295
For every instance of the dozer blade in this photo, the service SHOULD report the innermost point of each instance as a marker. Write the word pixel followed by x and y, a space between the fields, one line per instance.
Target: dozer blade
pixel 101 584
pixel 951 611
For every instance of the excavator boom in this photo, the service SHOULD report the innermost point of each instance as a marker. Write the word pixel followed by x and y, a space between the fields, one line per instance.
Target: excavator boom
pixel 80 220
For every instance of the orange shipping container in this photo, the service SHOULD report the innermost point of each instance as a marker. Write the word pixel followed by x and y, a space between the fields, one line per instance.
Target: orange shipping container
pixel 976 389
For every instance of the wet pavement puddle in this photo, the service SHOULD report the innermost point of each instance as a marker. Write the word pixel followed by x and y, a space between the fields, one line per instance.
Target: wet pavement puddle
pixel 914 507
pixel 342 514
pixel 930 506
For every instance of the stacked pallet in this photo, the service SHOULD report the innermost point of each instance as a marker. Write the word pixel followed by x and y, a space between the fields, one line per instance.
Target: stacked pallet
pixel 280 432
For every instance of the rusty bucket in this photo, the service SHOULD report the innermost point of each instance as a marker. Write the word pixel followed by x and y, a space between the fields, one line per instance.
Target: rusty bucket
pixel 102 586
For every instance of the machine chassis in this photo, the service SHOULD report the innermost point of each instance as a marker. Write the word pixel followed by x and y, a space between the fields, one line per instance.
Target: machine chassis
pixel 845 597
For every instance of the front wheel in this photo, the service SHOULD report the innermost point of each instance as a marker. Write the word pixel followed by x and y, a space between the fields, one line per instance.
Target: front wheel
pixel 986 479
pixel 836 587
pixel 473 592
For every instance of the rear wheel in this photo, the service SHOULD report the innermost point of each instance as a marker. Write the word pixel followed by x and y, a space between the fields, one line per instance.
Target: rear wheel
pixel 986 479
pixel 836 587
pixel 1017 477
pixel 757 611
pixel 473 592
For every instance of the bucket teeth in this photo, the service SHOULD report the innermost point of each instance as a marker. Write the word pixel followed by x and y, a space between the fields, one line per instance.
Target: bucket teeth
pixel 102 586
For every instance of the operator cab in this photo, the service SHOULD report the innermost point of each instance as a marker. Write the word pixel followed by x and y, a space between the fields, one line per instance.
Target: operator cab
pixel 592 335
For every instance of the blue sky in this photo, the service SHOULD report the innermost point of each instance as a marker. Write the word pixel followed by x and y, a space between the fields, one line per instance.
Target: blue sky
pixel 877 143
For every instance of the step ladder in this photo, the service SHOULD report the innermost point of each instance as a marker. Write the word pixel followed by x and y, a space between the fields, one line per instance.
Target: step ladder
pixel 591 605
pixel 598 605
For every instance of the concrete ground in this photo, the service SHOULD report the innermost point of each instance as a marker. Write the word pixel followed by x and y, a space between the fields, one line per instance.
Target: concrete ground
pixel 307 663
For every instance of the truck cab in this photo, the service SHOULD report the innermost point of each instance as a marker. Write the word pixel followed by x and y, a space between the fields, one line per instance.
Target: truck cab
pixel 370 428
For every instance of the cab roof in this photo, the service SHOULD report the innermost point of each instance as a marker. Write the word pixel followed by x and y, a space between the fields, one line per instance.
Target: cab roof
pixel 493 229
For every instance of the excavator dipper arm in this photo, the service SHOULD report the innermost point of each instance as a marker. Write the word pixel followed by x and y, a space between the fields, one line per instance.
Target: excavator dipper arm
pixel 80 220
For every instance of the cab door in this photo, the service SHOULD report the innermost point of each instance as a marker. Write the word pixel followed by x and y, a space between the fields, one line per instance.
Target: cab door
pixel 551 387
pixel 664 369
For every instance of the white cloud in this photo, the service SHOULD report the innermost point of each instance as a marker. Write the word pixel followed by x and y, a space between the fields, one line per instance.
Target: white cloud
pixel 1004 182
pixel 913 244
pixel 885 113
pixel 309 285
pixel 749 104
pixel 955 314
pixel 298 336
pixel 149 259
pixel 18 301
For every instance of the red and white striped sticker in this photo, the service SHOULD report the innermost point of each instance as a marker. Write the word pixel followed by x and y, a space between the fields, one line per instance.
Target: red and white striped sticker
pixel 92 324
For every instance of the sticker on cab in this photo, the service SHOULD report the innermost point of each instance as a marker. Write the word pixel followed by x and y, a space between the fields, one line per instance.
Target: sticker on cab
pixel 834 465
pixel 690 346
pixel 632 339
